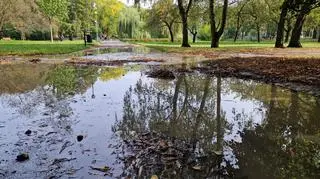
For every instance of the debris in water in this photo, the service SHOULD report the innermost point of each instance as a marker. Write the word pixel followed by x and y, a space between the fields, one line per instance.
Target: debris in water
pixel 162 74
pixel 61 160
pixel 49 133
pixel 35 60
pixel 28 132
pixel 65 145
pixel 104 169
pixel 22 157
pixel 79 138
pixel 154 177
pixel 198 168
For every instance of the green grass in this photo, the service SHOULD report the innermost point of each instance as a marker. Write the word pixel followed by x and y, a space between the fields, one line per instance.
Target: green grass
pixel 223 44
pixel 26 48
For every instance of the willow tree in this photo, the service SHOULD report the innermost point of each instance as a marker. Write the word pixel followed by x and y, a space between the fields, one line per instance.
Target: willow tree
pixel 130 26
pixel 53 9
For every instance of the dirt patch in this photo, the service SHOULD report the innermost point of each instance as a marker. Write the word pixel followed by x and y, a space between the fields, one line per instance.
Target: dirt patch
pixel 287 71
pixel 7 60
pixel 226 52
pixel 161 74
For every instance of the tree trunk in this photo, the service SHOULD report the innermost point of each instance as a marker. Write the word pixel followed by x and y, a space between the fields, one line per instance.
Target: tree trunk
pixel 258 34
pixel 175 98
pixel 296 32
pixel 212 25
pixel 236 35
pixel 314 33
pixel 51 32
pixel 200 111
pixel 84 38
pixel 184 18
pixel 194 37
pixel 237 30
pixel 171 34
pixel 216 34
pixel 319 38
pixel 185 39
pixel 219 119
pixel 288 33
pixel 23 35
pixel 280 30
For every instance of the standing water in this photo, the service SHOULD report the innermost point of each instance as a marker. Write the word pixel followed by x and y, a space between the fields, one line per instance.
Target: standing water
pixel 194 126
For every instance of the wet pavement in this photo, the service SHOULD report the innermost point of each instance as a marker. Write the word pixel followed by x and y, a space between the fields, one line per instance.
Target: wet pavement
pixel 227 127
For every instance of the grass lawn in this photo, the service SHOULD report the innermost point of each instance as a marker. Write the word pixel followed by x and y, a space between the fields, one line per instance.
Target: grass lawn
pixel 224 45
pixel 17 47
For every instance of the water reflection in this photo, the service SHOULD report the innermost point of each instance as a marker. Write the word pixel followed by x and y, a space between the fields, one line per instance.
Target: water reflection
pixel 51 101
pixel 227 128
pixel 260 130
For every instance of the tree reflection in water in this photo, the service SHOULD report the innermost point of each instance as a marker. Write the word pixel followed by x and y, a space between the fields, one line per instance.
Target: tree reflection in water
pixel 283 144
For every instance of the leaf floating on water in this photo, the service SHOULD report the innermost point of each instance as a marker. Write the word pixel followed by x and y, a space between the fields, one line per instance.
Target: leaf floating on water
pixel 154 177
pixel 198 168
pixel 104 169
pixel 217 152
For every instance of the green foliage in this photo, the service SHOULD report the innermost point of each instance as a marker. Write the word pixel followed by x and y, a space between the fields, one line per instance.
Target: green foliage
pixel 53 9
pixel 112 73
pixel 66 80
pixel 204 32
pixel 108 12
pixel 38 35
pixel 9 30
pixel 164 13
pixel 131 26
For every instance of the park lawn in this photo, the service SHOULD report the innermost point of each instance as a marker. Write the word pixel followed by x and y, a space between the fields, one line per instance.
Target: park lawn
pixel 27 48
pixel 224 45
pixel 229 48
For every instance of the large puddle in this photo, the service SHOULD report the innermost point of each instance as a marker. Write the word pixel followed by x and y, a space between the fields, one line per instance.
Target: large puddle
pixel 233 128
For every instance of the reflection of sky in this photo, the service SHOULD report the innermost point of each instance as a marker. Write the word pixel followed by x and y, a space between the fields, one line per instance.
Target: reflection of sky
pixel 250 109
pixel 232 105
pixel 93 118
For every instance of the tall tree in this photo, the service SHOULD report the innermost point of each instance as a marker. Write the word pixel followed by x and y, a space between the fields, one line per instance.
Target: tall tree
pixel 241 4
pixel 258 11
pixel 6 12
pixel 197 18
pixel 184 8
pixel 53 9
pixel 167 13
pixel 216 31
pixel 302 8
pixel 281 24
pixel 108 15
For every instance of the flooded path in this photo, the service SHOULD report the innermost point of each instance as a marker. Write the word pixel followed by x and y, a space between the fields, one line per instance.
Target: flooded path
pixel 116 122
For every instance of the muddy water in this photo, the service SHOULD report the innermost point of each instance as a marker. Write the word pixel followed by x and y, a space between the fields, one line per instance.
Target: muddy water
pixel 260 131
pixel 132 53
